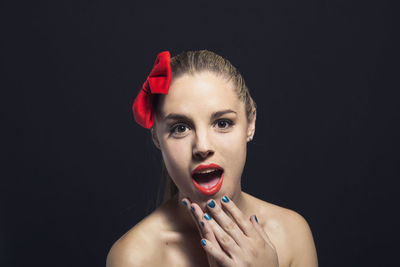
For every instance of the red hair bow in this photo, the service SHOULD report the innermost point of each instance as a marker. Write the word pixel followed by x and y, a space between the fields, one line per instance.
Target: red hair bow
pixel 156 83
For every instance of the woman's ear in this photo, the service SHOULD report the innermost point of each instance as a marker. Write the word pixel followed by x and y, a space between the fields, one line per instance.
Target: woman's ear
pixel 251 128
pixel 154 137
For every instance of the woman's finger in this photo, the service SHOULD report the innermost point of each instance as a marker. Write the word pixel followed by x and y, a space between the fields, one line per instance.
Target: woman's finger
pixel 238 216
pixel 225 241
pixel 186 202
pixel 217 254
pixel 212 231
pixel 203 227
pixel 226 222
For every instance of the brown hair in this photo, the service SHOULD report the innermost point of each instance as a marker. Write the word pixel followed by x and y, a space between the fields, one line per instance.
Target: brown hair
pixel 192 62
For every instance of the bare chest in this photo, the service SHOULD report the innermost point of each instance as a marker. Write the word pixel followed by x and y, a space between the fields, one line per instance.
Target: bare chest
pixel 184 254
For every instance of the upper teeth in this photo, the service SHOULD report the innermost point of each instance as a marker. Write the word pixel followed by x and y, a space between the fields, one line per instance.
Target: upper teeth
pixel 208 170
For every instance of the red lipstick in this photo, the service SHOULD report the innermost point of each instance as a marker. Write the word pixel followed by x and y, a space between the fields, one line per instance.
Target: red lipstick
pixel 208 178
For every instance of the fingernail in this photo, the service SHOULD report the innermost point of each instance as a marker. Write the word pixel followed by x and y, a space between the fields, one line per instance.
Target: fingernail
pixel 211 204
pixel 203 242
pixel 202 224
pixel 184 203
pixel 207 217
pixel 192 208
pixel 255 218
pixel 225 199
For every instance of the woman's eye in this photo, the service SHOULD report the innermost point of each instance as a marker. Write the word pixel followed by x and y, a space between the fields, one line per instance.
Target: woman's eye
pixel 179 129
pixel 223 124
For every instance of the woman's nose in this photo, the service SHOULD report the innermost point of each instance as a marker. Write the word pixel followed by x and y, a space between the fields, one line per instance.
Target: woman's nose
pixel 202 147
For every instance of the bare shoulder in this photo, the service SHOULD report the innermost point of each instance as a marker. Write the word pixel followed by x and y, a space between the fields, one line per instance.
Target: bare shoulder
pixel 140 246
pixel 289 232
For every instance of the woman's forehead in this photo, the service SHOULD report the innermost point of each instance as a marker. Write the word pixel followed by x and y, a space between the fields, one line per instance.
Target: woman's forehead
pixel 202 92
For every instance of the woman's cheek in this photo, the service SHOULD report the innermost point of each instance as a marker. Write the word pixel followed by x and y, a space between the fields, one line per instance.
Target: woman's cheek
pixel 233 142
pixel 176 157
pixel 232 147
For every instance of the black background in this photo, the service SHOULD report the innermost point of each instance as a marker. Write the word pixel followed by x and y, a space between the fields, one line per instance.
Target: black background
pixel 77 172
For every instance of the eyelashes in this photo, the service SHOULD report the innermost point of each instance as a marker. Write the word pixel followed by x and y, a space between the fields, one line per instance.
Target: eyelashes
pixel 180 129
pixel 224 123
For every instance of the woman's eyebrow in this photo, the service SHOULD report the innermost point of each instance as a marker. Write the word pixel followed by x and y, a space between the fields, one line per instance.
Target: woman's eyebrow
pixel 175 116
pixel 221 113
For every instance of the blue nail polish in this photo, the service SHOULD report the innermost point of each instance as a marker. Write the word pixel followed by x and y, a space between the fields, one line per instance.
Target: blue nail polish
pixel 191 207
pixel 207 217
pixel 202 224
pixel 225 199
pixel 184 203
pixel 203 242
pixel 255 217
pixel 211 204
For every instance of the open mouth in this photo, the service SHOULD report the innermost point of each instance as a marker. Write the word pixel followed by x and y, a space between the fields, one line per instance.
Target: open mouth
pixel 208 178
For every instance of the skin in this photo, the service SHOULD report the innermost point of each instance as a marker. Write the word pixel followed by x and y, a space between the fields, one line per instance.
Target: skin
pixel 202 121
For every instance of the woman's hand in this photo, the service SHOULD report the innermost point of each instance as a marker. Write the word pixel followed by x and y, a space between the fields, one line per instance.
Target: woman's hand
pixel 227 242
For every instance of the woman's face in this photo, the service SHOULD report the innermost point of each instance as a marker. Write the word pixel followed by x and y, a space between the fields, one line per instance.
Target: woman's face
pixel 201 122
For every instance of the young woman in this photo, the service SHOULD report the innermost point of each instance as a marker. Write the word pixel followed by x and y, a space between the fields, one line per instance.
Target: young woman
pixel 201 117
